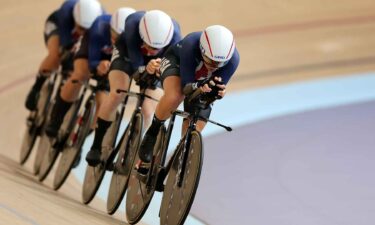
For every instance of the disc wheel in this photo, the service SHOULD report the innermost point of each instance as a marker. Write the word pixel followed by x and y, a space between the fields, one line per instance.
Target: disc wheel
pixel 35 122
pixel 74 144
pixel 94 175
pixel 177 199
pixel 123 166
pixel 28 141
pixel 139 192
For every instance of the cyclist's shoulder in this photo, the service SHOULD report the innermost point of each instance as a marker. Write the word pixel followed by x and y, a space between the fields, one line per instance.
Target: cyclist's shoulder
pixel 176 25
pixel 192 37
pixel 132 25
pixel 235 60
pixel 190 43
pixel 67 6
pixel 134 18
pixel 101 25
pixel 64 15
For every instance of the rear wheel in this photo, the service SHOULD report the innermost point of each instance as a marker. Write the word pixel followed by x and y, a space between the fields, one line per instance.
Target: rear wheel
pixel 123 166
pixel 177 199
pixel 35 121
pixel 139 192
pixel 74 144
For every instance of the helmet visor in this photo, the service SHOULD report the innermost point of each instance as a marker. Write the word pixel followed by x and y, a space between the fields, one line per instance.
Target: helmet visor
pixel 212 63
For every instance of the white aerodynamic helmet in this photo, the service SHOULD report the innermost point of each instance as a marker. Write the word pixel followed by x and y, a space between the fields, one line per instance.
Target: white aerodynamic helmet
pixel 156 29
pixel 119 17
pixel 217 43
pixel 86 11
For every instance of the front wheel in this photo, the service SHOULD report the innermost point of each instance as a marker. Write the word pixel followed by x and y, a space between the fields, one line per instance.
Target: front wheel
pixel 178 197
pixel 35 122
pixel 28 142
pixel 94 175
pixel 49 156
pixel 52 152
pixel 41 151
pixel 141 188
pixel 123 166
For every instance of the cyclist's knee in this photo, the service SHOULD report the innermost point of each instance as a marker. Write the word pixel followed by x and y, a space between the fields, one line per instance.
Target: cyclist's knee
pixel 115 98
pixel 79 76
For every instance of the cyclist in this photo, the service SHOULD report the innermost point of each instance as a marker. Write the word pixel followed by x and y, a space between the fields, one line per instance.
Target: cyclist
pixel 93 55
pixel 200 58
pixel 147 36
pixel 61 31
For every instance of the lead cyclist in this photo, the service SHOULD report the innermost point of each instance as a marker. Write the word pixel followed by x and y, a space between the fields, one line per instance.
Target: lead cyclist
pixel 201 60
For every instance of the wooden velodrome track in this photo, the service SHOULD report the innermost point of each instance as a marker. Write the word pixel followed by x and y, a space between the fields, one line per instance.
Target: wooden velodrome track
pixel 280 41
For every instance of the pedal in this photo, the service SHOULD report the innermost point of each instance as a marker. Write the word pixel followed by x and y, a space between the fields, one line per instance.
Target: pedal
pixel 38 131
pixel 159 187
pixel 142 170
pixel 142 177
pixel 60 142
pixel 110 167
pixel 160 180
pixel 57 145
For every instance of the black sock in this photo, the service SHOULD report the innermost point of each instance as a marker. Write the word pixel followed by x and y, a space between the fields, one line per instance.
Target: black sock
pixel 39 81
pixel 155 126
pixel 100 131
pixel 59 110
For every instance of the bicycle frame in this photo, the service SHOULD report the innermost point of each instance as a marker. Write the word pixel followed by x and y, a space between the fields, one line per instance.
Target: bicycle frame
pixel 185 141
pixel 140 99
pixel 89 93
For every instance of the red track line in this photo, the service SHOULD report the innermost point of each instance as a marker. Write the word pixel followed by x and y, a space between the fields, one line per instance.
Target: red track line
pixel 15 83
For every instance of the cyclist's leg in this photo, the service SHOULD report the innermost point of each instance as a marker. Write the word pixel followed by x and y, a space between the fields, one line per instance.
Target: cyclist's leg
pixel 49 64
pixel 149 106
pixel 100 97
pixel 169 102
pixel 51 61
pixel 69 92
pixel 118 79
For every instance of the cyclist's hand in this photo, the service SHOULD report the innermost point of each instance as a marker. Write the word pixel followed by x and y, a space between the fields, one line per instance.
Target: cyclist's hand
pixel 220 86
pixel 153 66
pixel 103 67
pixel 206 87
pixel 222 91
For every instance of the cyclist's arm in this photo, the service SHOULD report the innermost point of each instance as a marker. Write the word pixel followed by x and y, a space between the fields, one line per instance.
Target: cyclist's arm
pixel 228 70
pixel 94 54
